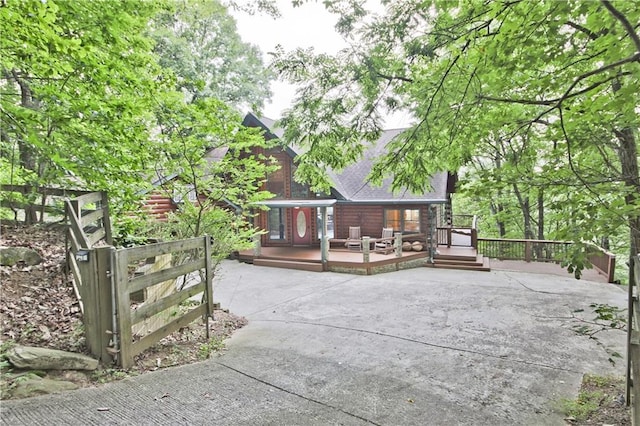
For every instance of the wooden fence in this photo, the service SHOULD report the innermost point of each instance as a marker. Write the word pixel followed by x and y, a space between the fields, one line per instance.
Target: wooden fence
pixel 30 204
pixel 633 341
pixel 196 253
pixel 108 287
pixel 89 223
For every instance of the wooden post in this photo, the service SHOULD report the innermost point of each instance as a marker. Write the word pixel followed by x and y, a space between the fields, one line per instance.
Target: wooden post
pixel 365 249
pixel 104 302
pixel 88 295
pixel 257 245
pixel 324 244
pixel 635 262
pixel 121 281
pixel 527 251
pixel 209 284
pixel 106 220
pixel 398 242
pixel 76 207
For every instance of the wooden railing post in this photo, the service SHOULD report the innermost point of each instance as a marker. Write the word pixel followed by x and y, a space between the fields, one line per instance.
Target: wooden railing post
pixel 106 219
pixel 633 341
pixel 121 281
pixel 88 295
pixel 398 243
pixel 104 302
pixel 257 245
pixel 209 284
pixel 365 249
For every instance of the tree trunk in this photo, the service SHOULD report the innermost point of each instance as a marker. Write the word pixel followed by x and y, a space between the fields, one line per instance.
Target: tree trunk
pixel 526 212
pixel 628 154
pixel 27 156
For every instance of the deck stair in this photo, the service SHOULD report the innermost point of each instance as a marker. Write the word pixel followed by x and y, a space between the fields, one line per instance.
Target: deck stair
pixel 289 264
pixel 301 261
pixel 471 261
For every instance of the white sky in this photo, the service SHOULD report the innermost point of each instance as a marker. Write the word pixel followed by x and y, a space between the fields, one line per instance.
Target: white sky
pixel 306 26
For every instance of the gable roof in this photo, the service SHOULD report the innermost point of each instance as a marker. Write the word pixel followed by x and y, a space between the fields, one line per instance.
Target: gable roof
pixel 351 184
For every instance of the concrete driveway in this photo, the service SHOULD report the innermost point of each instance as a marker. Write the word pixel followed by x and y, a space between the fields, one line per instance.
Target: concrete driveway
pixel 414 347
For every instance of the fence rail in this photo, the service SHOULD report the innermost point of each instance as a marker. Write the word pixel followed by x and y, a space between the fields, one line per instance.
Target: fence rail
pixel 31 204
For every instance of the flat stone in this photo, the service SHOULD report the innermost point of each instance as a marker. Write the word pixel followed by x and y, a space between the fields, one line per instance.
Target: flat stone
pixel 38 386
pixel 29 357
pixel 10 256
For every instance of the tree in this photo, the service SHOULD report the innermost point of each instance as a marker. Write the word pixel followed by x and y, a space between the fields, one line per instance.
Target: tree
pixel 78 82
pixel 86 104
pixel 554 79
pixel 211 168
pixel 199 41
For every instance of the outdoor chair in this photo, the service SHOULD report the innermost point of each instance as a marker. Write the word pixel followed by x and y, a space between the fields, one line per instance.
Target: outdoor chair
pixel 354 241
pixel 385 244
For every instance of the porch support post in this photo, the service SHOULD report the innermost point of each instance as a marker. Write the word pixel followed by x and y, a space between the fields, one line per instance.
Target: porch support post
pixel 324 246
pixel 398 242
pixel 365 249
pixel 257 245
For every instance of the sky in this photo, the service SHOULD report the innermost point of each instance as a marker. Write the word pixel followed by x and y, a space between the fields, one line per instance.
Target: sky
pixel 306 26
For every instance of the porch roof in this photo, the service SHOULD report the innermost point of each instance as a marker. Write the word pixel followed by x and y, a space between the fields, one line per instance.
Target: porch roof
pixel 297 203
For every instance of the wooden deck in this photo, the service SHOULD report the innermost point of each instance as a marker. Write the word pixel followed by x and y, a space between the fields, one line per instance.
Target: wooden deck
pixel 352 261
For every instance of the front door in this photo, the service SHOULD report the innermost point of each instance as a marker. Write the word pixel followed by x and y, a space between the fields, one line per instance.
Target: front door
pixel 302 226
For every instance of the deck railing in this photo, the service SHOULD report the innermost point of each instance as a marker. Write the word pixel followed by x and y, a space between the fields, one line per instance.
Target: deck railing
pixel 462 232
pixel 544 251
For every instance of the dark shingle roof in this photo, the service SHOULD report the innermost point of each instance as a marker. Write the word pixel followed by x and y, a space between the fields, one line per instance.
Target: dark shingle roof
pixel 351 183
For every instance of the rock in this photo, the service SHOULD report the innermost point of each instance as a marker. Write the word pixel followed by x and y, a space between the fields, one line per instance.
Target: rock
pixel 35 385
pixel 416 246
pixel 10 256
pixel 33 358
pixel 406 246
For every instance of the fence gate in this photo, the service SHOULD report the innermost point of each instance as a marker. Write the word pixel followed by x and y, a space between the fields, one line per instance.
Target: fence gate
pixel 129 297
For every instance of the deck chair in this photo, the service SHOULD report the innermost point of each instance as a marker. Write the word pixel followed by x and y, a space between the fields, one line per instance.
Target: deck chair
pixel 385 244
pixel 354 241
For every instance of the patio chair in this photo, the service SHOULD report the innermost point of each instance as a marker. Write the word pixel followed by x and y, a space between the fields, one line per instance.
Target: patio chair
pixel 354 241
pixel 385 244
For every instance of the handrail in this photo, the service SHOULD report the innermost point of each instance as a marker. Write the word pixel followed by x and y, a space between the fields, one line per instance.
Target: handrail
pixel 544 251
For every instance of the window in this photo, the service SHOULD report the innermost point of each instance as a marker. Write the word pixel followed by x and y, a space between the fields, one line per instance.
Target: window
pixel 298 190
pixel 406 221
pixel 277 224
pixel 275 183
pixel 329 223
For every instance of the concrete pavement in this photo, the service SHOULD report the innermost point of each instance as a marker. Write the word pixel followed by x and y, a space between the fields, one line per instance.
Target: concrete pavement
pixel 414 347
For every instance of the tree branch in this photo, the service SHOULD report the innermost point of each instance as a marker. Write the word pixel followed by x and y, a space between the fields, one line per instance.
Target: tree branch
pixel 558 101
pixel 394 77
pixel 585 30
pixel 625 23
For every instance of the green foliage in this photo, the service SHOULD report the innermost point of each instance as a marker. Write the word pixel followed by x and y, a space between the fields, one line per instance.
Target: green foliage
pixel 199 41
pixel 607 317
pixel 87 103
pixel 585 405
pixel 78 82
pixel 107 375
pixel 215 344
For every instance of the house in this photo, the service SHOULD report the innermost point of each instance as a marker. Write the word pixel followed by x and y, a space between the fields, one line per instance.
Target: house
pixel 294 217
